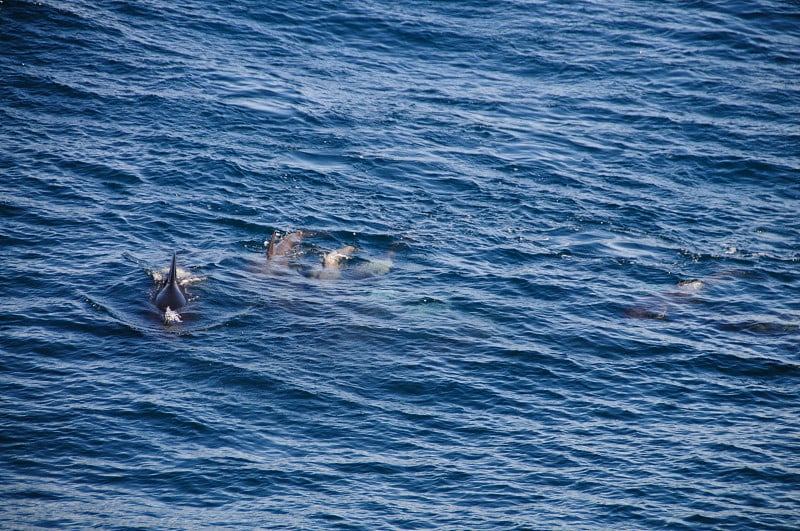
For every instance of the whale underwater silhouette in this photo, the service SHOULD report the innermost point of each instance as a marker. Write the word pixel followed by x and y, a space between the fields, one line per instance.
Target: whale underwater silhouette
pixel 171 296
pixel 659 306
pixel 684 299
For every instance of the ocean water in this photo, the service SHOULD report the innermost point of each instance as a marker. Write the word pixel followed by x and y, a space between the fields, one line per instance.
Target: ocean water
pixel 573 302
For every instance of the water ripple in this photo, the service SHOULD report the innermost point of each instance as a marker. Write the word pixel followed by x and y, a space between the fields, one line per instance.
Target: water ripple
pixel 571 304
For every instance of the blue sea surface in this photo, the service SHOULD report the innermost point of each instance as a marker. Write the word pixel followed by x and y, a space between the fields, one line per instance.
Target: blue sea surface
pixel 574 301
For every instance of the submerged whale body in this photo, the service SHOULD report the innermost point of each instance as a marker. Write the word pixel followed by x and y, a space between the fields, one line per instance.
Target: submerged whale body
pixel 171 295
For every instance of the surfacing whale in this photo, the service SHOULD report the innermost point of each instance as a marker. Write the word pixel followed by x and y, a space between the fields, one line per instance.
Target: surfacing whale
pixel 171 296
pixel 283 257
pixel 285 246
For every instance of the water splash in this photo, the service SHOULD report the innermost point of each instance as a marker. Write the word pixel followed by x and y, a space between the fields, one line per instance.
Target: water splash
pixel 171 316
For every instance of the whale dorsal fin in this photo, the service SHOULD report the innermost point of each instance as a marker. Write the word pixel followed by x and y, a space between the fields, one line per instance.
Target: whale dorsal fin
pixel 173 271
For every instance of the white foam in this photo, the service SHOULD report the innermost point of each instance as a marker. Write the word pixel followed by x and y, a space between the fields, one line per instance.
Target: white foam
pixel 171 316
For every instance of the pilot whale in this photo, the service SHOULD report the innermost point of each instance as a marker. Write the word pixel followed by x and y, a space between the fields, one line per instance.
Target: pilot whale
pixel 285 246
pixel 171 296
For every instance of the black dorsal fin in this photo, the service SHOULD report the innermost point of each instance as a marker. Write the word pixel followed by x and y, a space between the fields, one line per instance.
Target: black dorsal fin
pixel 173 271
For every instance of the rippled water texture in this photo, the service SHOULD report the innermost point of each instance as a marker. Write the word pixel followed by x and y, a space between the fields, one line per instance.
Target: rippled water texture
pixel 572 303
